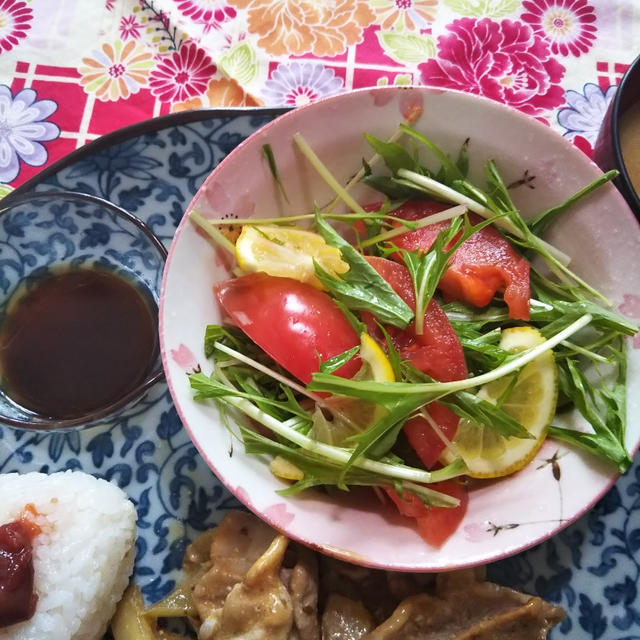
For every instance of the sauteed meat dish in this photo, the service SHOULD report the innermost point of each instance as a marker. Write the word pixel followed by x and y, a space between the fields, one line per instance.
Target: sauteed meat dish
pixel 245 580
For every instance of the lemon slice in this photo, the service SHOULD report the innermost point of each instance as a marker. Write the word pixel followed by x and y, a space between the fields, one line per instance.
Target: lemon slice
pixel 530 399
pixel 375 364
pixel 286 252
pixel 352 415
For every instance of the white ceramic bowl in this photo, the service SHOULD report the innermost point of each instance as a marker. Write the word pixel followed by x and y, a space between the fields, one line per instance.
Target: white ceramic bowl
pixel 600 234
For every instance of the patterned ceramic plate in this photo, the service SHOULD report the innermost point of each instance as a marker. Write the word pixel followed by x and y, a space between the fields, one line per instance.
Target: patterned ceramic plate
pixel 154 169
pixel 503 517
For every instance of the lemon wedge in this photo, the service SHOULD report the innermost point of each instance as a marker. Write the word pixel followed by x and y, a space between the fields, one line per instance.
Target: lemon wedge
pixel 286 252
pixel 530 399
pixel 375 364
pixel 352 415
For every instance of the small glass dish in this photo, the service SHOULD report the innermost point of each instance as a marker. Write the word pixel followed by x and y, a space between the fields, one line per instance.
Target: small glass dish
pixel 54 236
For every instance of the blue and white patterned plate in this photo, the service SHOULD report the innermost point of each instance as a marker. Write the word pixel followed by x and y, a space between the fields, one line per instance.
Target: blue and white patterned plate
pixel 153 169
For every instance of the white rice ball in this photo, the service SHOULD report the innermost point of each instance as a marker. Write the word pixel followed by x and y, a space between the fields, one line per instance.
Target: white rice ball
pixel 82 559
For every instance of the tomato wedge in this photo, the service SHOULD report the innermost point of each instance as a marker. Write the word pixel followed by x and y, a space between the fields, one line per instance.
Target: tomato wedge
pixel 437 351
pixel 482 266
pixel 295 323
pixel 435 524
pixel 427 444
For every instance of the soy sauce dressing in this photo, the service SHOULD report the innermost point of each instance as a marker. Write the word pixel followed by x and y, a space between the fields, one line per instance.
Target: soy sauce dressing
pixel 76 341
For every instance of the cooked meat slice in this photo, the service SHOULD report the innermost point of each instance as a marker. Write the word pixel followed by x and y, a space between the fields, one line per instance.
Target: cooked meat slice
pixel 198 552
pixel 242 537
pixel 403 585
pixel 531 621
pixel 196 562
pixel 464 609
pixel 237 542
pixel 480 603
pixel 381 590
pixel 259 607
pixel 345 619
pixel 459 579
pixel 414 618
pixel 302 582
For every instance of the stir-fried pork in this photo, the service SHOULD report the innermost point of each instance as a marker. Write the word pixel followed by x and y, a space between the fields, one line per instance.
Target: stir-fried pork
pixel 259 606
pixel 302 582
pixel 235 545
pixel 345 618
pixel 248 582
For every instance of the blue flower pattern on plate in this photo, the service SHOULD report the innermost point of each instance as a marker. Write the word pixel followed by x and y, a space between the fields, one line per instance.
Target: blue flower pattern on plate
pixel 591 568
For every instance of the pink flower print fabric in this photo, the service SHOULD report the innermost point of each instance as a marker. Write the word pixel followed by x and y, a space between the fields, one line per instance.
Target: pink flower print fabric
pixel 503 60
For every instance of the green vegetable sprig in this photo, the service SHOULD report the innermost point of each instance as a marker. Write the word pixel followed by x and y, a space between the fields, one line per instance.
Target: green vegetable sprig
pixel 361 287
pixel 238 386
pixel 401 399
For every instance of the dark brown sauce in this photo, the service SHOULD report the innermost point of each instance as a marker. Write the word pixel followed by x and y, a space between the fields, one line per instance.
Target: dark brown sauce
pixel 77 341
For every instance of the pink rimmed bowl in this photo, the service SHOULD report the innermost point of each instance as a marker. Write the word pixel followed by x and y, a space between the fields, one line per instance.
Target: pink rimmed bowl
pixel 601 234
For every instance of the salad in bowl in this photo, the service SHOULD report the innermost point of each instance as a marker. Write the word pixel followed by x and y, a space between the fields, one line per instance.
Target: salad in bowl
pixel 394 325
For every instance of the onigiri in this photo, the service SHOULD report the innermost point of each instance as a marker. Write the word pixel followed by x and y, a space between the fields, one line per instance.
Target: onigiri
pixel 83 551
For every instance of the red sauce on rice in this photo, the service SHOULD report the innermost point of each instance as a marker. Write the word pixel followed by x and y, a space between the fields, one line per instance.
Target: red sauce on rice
pixel 17 597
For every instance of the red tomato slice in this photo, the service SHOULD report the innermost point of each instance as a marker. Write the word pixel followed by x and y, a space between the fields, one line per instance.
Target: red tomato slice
pixel 437 352
pixel 482 266
pixel 291 321
pixel 435 524
pixel 425 441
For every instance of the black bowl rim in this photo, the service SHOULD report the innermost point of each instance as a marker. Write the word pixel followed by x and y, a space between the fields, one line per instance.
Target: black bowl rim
pixel 43 423
pixel 633 70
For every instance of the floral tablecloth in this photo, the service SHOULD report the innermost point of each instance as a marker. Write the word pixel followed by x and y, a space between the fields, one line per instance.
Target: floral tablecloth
pixel 72 70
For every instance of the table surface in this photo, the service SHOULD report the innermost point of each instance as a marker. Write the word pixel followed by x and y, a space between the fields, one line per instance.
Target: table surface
pixel 73 71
